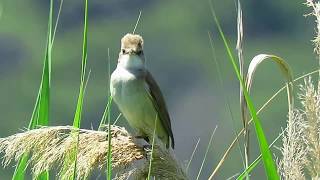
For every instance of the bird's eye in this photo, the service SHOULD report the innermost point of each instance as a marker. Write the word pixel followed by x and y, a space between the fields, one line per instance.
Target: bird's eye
pixel 123 51
pixel 139 52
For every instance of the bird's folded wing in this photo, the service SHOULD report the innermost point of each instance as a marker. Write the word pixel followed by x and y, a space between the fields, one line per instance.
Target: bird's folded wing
pixel 159 103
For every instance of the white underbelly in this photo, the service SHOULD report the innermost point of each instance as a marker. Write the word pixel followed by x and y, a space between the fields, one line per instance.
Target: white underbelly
pixel 133 101
pixel 139 111
pixel 132 98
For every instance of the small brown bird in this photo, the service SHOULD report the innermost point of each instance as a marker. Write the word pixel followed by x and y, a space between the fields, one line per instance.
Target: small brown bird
pixel 138 95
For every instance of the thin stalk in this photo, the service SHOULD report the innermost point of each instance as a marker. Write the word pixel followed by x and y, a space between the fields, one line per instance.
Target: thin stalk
pixel 152 149
pixel 137 22
pixel 207 150
pixel 191 157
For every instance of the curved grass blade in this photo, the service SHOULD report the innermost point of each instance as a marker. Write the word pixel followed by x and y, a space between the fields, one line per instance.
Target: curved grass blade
pixel 282 64
pixel 285 69
pixel 40 114
pixel 261 108
pixel 269 164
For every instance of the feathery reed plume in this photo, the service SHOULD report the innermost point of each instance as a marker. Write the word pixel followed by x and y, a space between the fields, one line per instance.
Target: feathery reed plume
pixel 293 151
pixel 310 100
pixel 49 147
pixel 301 140
pixel 315 5
pixel 316 13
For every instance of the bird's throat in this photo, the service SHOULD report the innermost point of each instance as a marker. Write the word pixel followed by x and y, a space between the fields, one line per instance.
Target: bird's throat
pixel 131 62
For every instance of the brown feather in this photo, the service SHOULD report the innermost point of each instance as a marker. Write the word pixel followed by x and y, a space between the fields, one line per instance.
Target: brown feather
pixel 160 105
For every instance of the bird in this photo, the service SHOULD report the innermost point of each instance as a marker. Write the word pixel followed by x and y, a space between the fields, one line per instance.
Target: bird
pixel 137 94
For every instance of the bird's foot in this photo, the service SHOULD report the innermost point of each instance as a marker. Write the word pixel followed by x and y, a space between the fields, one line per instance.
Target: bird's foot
pixel 147 147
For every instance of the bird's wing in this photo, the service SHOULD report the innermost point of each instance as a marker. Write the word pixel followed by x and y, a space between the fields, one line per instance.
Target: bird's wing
pixel 159 103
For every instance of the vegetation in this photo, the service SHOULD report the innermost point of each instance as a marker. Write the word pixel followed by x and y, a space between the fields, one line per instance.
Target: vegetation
pixel 111 149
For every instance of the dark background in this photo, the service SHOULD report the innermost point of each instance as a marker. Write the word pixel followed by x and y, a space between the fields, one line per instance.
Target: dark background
pixel 179 56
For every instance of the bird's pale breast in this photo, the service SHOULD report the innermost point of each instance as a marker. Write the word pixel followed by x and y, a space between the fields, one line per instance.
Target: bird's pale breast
pixel 134 102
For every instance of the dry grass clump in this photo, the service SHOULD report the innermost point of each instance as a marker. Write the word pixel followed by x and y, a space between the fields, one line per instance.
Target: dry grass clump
pixel 50 147
pixel 55 147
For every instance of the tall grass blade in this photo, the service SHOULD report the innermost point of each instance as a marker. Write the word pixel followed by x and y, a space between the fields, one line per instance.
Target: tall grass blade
pixel 207 150
pixel 243 104
pixel 40 114
pixel 78 112
pixel 258 159
pixel 19 173
pixel 109 160
pixel 109 79
pixel 269 164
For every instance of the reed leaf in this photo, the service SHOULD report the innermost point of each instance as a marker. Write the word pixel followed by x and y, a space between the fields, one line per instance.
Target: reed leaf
pixel 40 114
pixel 269 164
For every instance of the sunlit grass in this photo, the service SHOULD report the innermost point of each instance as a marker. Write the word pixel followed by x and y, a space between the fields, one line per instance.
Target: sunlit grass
pixel 78 114
pixel 269 163
pixel 40 114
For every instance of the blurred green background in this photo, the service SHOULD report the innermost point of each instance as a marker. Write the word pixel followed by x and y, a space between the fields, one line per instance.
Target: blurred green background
pixel 179 55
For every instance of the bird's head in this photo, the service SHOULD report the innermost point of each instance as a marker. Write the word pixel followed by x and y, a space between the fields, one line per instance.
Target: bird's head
pixel 131 53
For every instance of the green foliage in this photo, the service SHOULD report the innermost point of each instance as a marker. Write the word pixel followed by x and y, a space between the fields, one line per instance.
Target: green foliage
pixel 269 164
pixel 40 115
pixel 78 113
